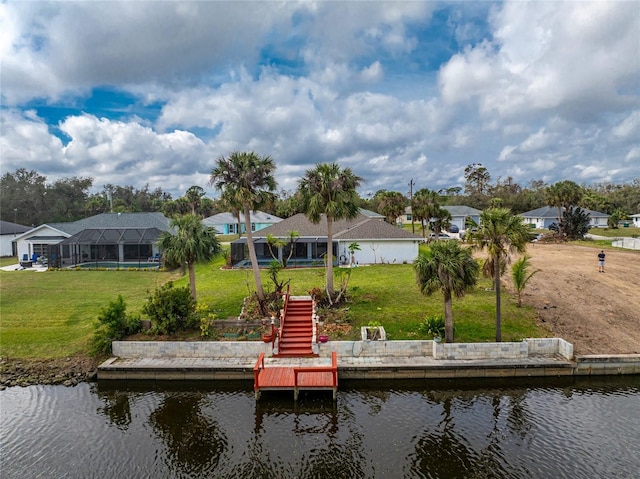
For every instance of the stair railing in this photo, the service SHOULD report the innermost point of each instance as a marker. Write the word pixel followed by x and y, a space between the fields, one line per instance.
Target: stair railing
pixel 283 314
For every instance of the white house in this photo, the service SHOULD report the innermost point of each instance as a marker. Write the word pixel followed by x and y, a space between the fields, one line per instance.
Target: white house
pixel 379 242
pixel 459 214
pixel 636 220
pixel 542 218
pixel 8 234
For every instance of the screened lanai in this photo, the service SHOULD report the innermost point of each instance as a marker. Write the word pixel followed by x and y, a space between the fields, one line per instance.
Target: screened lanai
pixel 121 245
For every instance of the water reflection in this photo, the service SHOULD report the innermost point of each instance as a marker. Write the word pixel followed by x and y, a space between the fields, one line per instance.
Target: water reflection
pixel 503 429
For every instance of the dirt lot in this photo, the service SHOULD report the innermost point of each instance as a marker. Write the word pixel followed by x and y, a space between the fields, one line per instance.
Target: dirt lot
pixel 598 312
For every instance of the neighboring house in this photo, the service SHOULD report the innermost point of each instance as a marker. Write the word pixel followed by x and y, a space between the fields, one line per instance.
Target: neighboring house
pixel 379 242
pixel 542 218
pixel 227 223
pixel 8 233
pixel 636 220
pixel 406 217
pixel 107 236
pixel 459 214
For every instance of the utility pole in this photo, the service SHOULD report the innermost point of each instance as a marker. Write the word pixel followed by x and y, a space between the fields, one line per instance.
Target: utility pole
pixel 413 228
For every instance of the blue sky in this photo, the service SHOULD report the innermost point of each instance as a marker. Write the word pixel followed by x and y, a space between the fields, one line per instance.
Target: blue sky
pixel 135 93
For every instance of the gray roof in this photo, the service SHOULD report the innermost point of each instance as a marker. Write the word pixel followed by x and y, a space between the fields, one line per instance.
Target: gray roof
pixel 7 228
pixel 112 220
pixel 371 214
pixel 552 212
pixel 460 210
pixel 229 218
pixel 361 227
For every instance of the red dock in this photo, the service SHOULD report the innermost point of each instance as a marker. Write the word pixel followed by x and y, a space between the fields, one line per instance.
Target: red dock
pixel 279 378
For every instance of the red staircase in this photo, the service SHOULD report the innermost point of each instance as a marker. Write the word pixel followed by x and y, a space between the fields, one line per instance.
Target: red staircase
pixel 296 329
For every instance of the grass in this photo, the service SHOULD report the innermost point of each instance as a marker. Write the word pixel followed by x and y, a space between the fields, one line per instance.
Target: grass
pixel 616 233
pixel 52 314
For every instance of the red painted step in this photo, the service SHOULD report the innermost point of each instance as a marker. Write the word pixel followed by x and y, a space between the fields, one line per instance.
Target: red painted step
pixel 297 333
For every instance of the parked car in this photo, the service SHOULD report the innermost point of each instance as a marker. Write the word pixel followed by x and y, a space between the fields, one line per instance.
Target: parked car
pixel 441 236
pixel 454 229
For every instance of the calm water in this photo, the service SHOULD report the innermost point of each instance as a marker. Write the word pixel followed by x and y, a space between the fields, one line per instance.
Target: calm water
pixel 471 429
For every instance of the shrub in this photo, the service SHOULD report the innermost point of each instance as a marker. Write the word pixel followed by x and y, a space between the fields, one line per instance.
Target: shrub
pixel 432 326
pixel 171 309
pixel 113 324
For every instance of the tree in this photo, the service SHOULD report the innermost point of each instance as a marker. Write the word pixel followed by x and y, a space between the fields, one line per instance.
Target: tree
pixel 440 221
pixel 477 186
pixel 353 247
pixel 575 222
pixel 521 275
pixel 563 195
pixel 330 191
pixel 391 204
pixel 247 182
pixel 448 268
pixel 192 243
pixel 194 197
pixel 424 206
pixel 501 234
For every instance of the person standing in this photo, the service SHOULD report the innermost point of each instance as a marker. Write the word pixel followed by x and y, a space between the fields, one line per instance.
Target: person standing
pixel 601 256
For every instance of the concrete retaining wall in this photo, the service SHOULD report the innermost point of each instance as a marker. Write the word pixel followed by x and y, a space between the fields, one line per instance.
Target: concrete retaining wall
pixel 550 347
pixel 189 349
pixel 449 351
pixel 377 348
pixel 518 350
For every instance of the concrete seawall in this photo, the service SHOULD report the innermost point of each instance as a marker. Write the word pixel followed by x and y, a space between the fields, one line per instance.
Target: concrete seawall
pixel 225 360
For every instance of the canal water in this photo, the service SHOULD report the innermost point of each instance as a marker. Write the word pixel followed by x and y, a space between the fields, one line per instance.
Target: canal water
pixel 558 428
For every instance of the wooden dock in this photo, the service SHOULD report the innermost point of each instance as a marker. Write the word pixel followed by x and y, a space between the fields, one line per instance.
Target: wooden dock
pixel 281 378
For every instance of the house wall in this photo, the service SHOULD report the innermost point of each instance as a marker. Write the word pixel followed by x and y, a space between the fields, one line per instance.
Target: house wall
pixel 636 221
pixel 376 252
pixel 24 245
pixel 6 247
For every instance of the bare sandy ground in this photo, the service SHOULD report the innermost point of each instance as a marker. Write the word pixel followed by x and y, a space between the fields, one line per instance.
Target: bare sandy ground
pixel 599 313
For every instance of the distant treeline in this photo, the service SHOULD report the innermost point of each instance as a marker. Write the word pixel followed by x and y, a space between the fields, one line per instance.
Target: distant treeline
pixel 27 198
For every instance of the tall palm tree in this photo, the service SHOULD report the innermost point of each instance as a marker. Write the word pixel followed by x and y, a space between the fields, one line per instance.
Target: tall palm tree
pixel 329 190
pixel 192 243
pixel 449 268
pixel 246 180
pixel 501 234
pixel 563 195
pixel 424 206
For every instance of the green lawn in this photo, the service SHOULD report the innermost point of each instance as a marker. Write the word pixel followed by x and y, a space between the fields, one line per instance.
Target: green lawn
pixel 51 314
pixel 616 233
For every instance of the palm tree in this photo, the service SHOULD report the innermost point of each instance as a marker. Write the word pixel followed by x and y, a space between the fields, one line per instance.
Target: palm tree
pixel 563 195
pixel 449 268
pixel 194 197
pixel 521 275
pixel 329 190
pixel 391 205
pixel 192 243
pixel 441 220
pixel 501 233
pixel 247 182
pixel 424 206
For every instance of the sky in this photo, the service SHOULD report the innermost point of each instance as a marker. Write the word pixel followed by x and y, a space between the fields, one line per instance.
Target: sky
pixel 153 92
